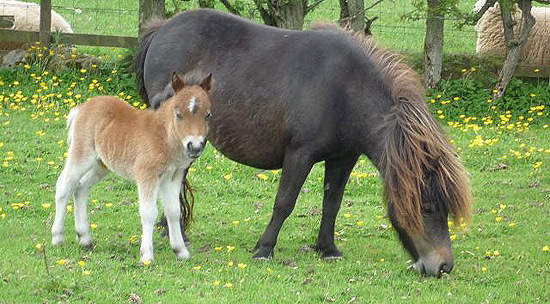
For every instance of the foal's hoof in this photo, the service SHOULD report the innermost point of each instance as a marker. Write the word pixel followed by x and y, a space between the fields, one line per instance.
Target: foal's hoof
pixel 182 254
pixel 57 239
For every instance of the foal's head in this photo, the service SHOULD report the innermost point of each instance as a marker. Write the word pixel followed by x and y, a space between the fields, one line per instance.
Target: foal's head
pixel 190 111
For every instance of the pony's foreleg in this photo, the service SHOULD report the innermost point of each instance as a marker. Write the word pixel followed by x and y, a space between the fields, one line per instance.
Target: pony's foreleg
pixel 169 192
pixel 64 190
pixel 147 192
pixel 337 173
pixel 82 227
pixel 296 167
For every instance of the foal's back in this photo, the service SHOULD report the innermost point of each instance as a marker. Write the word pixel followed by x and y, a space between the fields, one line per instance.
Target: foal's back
pixel 115 131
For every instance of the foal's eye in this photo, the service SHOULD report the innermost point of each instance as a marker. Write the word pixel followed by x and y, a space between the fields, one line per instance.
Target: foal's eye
pixel 208 115
pixel 179 115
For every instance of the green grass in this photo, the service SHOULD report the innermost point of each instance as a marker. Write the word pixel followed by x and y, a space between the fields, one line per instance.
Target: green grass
pixel 501 259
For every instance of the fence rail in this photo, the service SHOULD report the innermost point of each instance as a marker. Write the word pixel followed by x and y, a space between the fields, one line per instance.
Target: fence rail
pixel 147 9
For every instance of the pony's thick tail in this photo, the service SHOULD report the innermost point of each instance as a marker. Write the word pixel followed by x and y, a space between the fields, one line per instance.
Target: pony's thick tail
pixel 145 40
pixel 187 202
pixel 70 124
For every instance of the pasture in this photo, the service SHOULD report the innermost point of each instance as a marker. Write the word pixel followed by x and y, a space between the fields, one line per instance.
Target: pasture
pixel 503 257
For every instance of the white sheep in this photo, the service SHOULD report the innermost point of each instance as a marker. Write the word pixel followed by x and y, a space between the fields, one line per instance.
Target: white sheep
pixel 490 34
pixel 27 16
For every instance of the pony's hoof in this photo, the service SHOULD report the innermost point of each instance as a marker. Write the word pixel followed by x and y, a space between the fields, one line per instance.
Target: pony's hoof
pixel 263 253
pixel 330 253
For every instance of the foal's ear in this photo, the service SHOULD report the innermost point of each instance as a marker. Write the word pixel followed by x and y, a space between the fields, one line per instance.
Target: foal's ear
pixel 206 83
pixel 177 82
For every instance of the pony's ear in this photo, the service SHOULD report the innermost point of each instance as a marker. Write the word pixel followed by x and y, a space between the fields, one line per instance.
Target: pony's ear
pixel 206 83
pixel 177 82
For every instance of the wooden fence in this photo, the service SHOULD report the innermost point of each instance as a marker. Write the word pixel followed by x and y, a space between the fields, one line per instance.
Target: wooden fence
pixel 147 9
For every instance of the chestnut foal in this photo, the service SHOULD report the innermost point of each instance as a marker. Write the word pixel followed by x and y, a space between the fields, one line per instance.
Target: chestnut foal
pixel 153 148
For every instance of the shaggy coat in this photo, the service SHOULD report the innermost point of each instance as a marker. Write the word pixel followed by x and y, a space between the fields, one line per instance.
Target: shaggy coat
pixel 491 42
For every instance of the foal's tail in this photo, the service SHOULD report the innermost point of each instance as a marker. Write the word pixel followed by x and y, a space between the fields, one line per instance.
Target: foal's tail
pixel 70 124
pixel 145 40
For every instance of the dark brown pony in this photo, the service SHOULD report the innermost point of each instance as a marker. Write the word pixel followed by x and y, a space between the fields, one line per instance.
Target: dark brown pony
pixel 288 99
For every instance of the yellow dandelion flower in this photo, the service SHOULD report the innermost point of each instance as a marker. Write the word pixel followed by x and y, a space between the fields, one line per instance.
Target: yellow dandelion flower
pixel 230 264
pixel 69 208
pixel 347 215
pixel 360 223
pixel 512 225
pixel 61 262
pixel 216 283
pixel 86 272
pixel 241 265
pixel 197 268
pixel 230 248
pixel 546 248
pixel 453 237
pixel 109 205
pixel 209 167
pixel 81 263
pixel 499 219
pixel 236 223
pixel 227 176
pixel 228 285
pixel 38 246
pixel 496 253
pixel 484 269
pixel 269 270
pixel 93 225
pixel 46 205
pixel 262 176
pixel 219 248
pixel 146 263
pixel 82 71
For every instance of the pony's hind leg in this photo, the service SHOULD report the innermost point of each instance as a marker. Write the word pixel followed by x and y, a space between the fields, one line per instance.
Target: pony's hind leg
pixel 95 174
pixel 337 173
pixel 169 191
pixel 64 189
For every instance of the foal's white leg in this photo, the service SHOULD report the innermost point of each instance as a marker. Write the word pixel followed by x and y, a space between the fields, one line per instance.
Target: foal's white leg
pixel 82 228
pixel 148 212
pixel 64 190
pixel 169 192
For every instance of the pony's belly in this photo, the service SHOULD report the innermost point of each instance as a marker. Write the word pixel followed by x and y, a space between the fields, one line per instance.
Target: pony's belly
pixel 258 154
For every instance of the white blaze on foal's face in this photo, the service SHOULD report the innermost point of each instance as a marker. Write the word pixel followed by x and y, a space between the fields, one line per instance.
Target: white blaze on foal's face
pixel 192 118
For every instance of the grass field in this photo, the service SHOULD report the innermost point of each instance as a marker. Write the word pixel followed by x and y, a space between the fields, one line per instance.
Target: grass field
pixel 503 258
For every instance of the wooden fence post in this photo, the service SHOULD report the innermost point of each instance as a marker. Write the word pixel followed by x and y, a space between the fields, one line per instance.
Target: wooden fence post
pixel 45 22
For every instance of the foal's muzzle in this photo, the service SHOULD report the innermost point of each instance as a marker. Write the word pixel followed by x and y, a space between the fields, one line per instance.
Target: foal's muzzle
pixel 195 146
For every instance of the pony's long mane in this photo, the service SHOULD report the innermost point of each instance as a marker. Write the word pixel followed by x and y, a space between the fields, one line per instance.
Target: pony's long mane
pixel 415 146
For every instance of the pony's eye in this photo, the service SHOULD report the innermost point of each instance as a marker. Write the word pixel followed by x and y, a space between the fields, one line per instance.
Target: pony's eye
pixel 179 115
pixel 208 115
pixel 428 210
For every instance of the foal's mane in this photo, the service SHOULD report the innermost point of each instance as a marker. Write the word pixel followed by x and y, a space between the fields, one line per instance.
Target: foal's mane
pixel 416 148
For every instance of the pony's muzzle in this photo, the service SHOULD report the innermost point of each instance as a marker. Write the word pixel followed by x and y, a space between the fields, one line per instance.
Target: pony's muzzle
pixel 194 146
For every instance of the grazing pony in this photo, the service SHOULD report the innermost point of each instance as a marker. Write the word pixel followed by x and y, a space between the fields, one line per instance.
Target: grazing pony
pixel 289 99
pixel 154 148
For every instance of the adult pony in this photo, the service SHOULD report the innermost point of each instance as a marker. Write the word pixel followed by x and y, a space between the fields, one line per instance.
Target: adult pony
pixel 154 148
pixel 288 99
